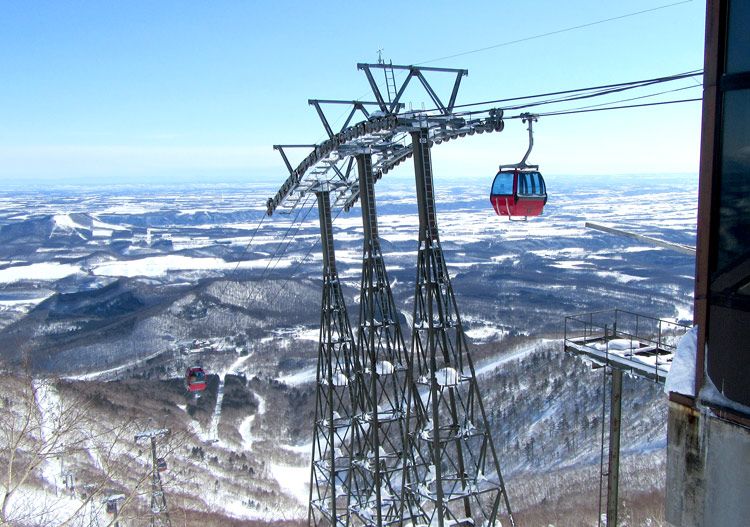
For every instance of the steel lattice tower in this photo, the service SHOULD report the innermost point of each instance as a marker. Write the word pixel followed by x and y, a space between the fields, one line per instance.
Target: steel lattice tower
pixel 335 401
pixel 371 464
pixel 454 463
pixel 383 381
pixel 159 509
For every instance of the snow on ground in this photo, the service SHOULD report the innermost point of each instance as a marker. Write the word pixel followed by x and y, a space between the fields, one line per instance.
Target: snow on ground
pixel 304 449
pixel 301 377
pixel 299 333
pixel 45 271
pixel 195 428
pixel 49 405
pixel 216 417
pixel 23 302
pixel 619 277
pixel 295 480
pixel 247 437
pixel 235 367
pixel 492 365
pixel 485 333
pixel 66 223
pixel 33 506
pixel 113 372
pixel 244 429
pixel 157 266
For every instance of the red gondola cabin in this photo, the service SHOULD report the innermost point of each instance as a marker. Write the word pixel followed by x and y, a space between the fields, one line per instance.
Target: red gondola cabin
pixel 196 379
pixel 161 464
pixel 518 193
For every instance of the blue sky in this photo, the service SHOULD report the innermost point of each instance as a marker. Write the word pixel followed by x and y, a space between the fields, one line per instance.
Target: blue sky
pixel 158 91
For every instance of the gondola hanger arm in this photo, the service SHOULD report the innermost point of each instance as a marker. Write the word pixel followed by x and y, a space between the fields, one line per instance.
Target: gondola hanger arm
pixel 530 118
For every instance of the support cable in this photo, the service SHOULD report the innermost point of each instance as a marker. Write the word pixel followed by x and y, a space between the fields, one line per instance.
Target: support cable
pixel 263 274
pixel 242 256
pixel 628 106
pixel 315 243
pixel 615 87
pixel 640 97
pixel 299 226
pixel 557 32
pixel 600 93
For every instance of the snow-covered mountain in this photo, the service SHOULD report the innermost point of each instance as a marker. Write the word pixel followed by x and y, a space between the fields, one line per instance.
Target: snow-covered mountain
pixel 130 288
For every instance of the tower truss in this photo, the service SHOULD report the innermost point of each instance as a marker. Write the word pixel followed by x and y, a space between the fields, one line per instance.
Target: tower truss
pixel 383 381
pixel 399 438
pixel 336 398
pixel 456 476
pixel 159 509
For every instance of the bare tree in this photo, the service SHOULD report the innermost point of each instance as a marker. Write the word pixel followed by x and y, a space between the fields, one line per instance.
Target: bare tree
pixel 46 427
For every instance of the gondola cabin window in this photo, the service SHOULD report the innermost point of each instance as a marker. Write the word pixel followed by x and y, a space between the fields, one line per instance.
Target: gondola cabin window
pixel 503 184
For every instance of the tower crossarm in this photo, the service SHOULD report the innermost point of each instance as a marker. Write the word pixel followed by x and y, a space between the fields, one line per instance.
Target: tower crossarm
pixel 384 133
pixel 356 105
pixel 386 137
pixel 418 72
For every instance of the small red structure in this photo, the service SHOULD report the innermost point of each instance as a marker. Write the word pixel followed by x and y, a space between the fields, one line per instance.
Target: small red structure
pixel 195 379
pixel 518 192
pixel 161 464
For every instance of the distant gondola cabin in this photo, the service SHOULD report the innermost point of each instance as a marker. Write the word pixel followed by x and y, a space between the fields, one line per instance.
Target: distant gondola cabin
pixel 111 507
pixel 196 379
pixel 518 193
pixel 161 464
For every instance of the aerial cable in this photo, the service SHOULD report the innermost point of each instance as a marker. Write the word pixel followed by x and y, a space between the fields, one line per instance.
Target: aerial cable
pixel 580 97
pixel 242 256
pixel 299 226
pixel 315 243
pixel 643 105
pixel 263 274
pixel 286 234
pixel 633 84
pixel 602 90
pixel 636 98
pixel 542 35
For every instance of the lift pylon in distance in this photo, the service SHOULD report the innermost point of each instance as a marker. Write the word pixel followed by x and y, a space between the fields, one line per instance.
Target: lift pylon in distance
pixel 335 398
pixel 383 382
pixel 159 508
pixel 456 478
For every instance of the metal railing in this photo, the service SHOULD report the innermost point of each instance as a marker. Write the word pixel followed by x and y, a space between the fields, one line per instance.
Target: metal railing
pixel 636 336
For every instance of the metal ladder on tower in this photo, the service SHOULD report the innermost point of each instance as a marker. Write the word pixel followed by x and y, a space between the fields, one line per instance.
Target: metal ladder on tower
pixel 390 82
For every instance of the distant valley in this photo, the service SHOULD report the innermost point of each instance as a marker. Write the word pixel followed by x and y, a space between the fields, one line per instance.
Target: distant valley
pixel 117 291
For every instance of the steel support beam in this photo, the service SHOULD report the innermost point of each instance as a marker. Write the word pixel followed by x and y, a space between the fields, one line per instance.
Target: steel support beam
pixel 454 466
pixel 380 438
pixel 615 414
pixel 414 71
pixel 336 400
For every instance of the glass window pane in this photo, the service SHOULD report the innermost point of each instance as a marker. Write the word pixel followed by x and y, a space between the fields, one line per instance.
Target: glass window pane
pixel 503 184
pixel 738 37
pixel 734 211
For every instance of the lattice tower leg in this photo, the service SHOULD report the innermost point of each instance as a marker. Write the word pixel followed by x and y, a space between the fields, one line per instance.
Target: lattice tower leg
pixel 456 475
pixel 383 383
pixel 335 400
pixel 159 510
